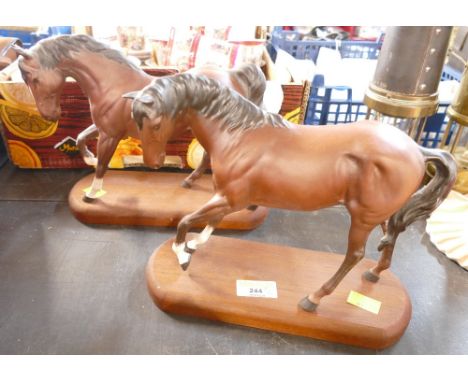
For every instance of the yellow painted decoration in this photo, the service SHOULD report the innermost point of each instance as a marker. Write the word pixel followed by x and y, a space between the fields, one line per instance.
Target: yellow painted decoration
pixel 24 123
pixel 22 155
pixel 364 302
pixel 129 146
pixel 99 193
pixel 18 95
pixel 293 116
pixel 195 153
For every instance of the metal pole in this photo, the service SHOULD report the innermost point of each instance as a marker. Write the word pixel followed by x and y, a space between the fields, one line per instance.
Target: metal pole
pixel 413 122
pixel 457 138
pixel 368 113
pixel 444 139
pixel 422 124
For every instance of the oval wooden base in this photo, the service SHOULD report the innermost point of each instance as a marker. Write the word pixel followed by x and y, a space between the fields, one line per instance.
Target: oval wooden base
pixel 151 199
pixel 208 289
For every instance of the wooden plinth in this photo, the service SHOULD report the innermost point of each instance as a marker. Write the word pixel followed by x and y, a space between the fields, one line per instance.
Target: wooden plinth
pixel 208 289
pixel 151 199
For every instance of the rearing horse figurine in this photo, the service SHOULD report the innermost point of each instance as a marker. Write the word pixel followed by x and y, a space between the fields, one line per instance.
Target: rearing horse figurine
pixel 374 170
pixel 104 74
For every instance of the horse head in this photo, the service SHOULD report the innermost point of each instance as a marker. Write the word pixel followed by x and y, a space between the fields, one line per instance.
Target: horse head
pixel 45 84
pixel 155 129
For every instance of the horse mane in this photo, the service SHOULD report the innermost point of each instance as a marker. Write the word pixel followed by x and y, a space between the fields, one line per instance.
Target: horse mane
pixel 174 94
pixel 51 51
pixel 253 80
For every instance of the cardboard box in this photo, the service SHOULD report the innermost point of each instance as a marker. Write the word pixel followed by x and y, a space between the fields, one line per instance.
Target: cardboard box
pixel 33 142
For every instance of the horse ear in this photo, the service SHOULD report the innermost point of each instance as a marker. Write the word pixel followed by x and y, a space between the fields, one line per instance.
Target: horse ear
pixel 7 48
pixel 146 99
pixel 20 51
pixel 130 95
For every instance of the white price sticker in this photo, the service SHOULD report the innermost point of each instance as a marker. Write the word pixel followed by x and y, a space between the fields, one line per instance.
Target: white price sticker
pixel 255 288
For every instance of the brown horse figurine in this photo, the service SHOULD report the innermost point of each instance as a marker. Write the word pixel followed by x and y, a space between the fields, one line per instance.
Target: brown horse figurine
pixel 104 74
pixel 374 170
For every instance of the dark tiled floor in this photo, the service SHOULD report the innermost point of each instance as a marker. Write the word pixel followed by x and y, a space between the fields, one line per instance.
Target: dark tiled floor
pixel 69 288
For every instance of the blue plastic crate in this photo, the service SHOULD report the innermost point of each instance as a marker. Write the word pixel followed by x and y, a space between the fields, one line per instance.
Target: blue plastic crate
pixel 449 73
pixel 435 127
pixel 59 30
pixel 24 35
pixel 29 38
pixel 325 109
pixel 290 42
pixel 323 112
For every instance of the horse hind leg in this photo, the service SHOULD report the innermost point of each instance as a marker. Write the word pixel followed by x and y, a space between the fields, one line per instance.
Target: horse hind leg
pixel 383 226
pixel 419 206
pixel 357 239
pixel 386 246
pixel 198 172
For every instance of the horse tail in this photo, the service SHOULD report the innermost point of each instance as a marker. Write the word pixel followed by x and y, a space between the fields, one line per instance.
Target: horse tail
pixel 253 80
pixel 424 201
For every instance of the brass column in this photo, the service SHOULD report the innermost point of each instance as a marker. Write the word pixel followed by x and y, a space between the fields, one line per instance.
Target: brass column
pixel 407 76
pixel 458 120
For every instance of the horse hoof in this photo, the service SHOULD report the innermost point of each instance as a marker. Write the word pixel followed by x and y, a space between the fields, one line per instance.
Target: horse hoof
pixel 183 256
pixel 369 276
pixel 308 305
pixel 185 266
pixel 87 199
pixel 189 250
pixel 186 184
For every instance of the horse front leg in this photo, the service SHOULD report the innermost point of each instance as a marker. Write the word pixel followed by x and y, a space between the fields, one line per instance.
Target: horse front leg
pixel 211 213
pixel 198 172
pixel 87 134
pixel 357 239
pixel 105 149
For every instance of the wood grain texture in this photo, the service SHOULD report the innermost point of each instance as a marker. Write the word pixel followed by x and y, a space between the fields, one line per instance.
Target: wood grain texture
pixel 152 199
pixel 208 289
